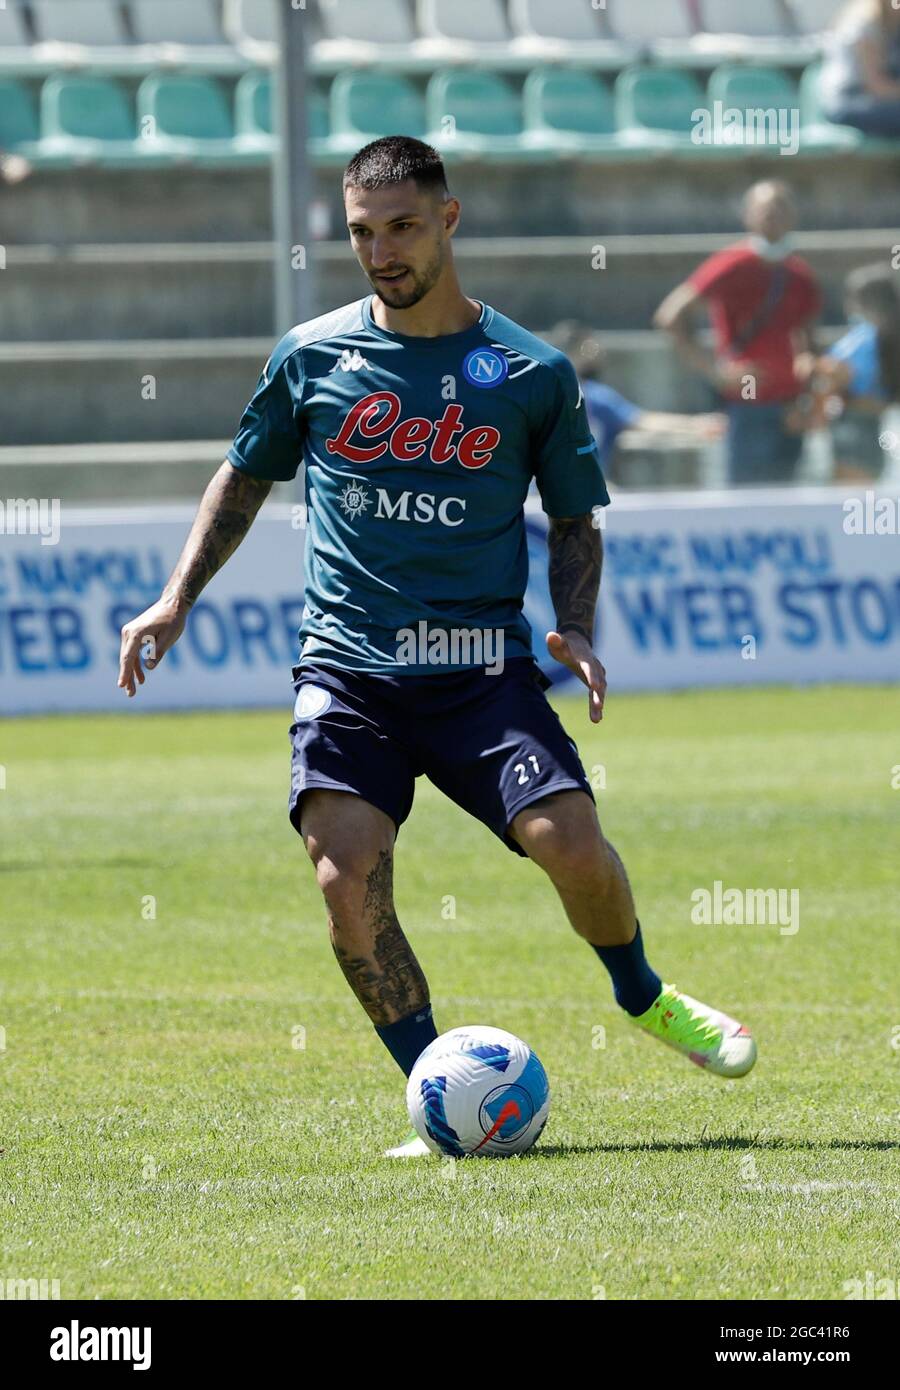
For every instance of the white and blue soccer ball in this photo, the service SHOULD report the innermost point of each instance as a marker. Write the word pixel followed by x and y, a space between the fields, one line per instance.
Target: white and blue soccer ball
pixel 478 1092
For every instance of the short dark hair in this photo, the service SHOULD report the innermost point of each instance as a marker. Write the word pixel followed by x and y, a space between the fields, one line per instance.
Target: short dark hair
pixel 394 159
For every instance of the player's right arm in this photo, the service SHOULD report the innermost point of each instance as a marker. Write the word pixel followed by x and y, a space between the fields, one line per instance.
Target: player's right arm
pixel 225 515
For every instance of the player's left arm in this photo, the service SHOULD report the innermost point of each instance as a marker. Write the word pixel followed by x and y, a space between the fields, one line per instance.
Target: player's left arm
pixel 575 564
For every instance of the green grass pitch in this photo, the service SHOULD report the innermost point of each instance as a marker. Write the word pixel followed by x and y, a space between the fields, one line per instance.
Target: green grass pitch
pixel 194 1106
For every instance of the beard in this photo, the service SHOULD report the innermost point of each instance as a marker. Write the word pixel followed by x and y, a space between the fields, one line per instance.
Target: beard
pixel 421 282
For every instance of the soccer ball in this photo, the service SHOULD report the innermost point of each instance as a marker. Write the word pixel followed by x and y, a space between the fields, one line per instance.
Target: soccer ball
pixel 478 1092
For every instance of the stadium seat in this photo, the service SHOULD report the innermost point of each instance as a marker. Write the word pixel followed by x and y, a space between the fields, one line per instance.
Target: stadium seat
pixel 745 86
pixel 755 88
pixel 252 20
pixel 85 108
pixel 750 30
pixel 18 118
pixel 255 115
pixel 458 22
pixel 185 116
pixel 815 16
pixel 175 31
pixel 818 135
pixel 365 105
pixel 473 112
pixel 663 26
pixel 546 30
pixel 89 119
pixel 569 109
pixel 655 106
pixel 252 26
pixel 548 19
pixel 387 22
pixel 88 23
pixel 173 21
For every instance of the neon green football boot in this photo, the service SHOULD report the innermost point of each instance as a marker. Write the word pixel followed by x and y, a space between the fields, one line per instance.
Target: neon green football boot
pixel 709 1039
pixel 410 1147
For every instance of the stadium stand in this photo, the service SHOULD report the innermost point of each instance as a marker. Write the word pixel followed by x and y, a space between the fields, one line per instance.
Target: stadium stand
pixel 149 124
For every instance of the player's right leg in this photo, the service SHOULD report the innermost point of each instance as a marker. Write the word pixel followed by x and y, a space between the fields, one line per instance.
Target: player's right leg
pixel 350 843
pixel 352 782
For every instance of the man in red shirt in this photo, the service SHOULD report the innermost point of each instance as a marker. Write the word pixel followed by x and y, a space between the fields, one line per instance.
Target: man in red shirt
pixel 761 300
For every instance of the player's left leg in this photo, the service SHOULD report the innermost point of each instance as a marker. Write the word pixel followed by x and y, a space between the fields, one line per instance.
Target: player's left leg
pixel 561 833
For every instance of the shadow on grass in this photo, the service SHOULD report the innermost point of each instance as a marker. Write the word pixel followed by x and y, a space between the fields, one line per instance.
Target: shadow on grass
pixel 732 1142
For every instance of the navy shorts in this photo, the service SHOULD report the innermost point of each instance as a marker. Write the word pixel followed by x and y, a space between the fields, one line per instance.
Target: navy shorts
pixel 492 743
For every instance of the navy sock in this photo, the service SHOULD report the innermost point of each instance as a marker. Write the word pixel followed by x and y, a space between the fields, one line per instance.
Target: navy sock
pixel 409 1036
pixel 635 985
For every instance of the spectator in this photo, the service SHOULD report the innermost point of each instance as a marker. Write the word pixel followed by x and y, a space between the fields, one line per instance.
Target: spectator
pixel 860 81
pixel 609 413
pixel 855 382
pixel 761 299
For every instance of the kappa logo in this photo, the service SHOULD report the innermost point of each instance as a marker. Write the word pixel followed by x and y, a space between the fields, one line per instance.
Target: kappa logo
pixel 350 361
pixel 311 701
pixel 485 368
pixel 378 414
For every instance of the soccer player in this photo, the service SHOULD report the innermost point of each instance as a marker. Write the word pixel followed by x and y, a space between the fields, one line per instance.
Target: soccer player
pixel 422 416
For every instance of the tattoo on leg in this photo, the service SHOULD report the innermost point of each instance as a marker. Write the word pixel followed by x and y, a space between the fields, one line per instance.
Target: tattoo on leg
pixel 389 982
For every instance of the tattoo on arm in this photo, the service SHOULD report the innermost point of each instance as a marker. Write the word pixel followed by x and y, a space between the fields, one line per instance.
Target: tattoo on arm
pixel 388 982
pixel 226 513
pixel 576 560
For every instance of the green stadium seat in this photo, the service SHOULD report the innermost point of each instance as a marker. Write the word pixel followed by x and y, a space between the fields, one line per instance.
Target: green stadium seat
pixel 569 109
pixel 755 88
pixel 255 114
pixel 747 87
pixel 365 105
pixel 655 107
pixel 817 135
pixel 18 118
pixel 474 113
pixel 91 119
pixel 187 117
pixel 86 110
